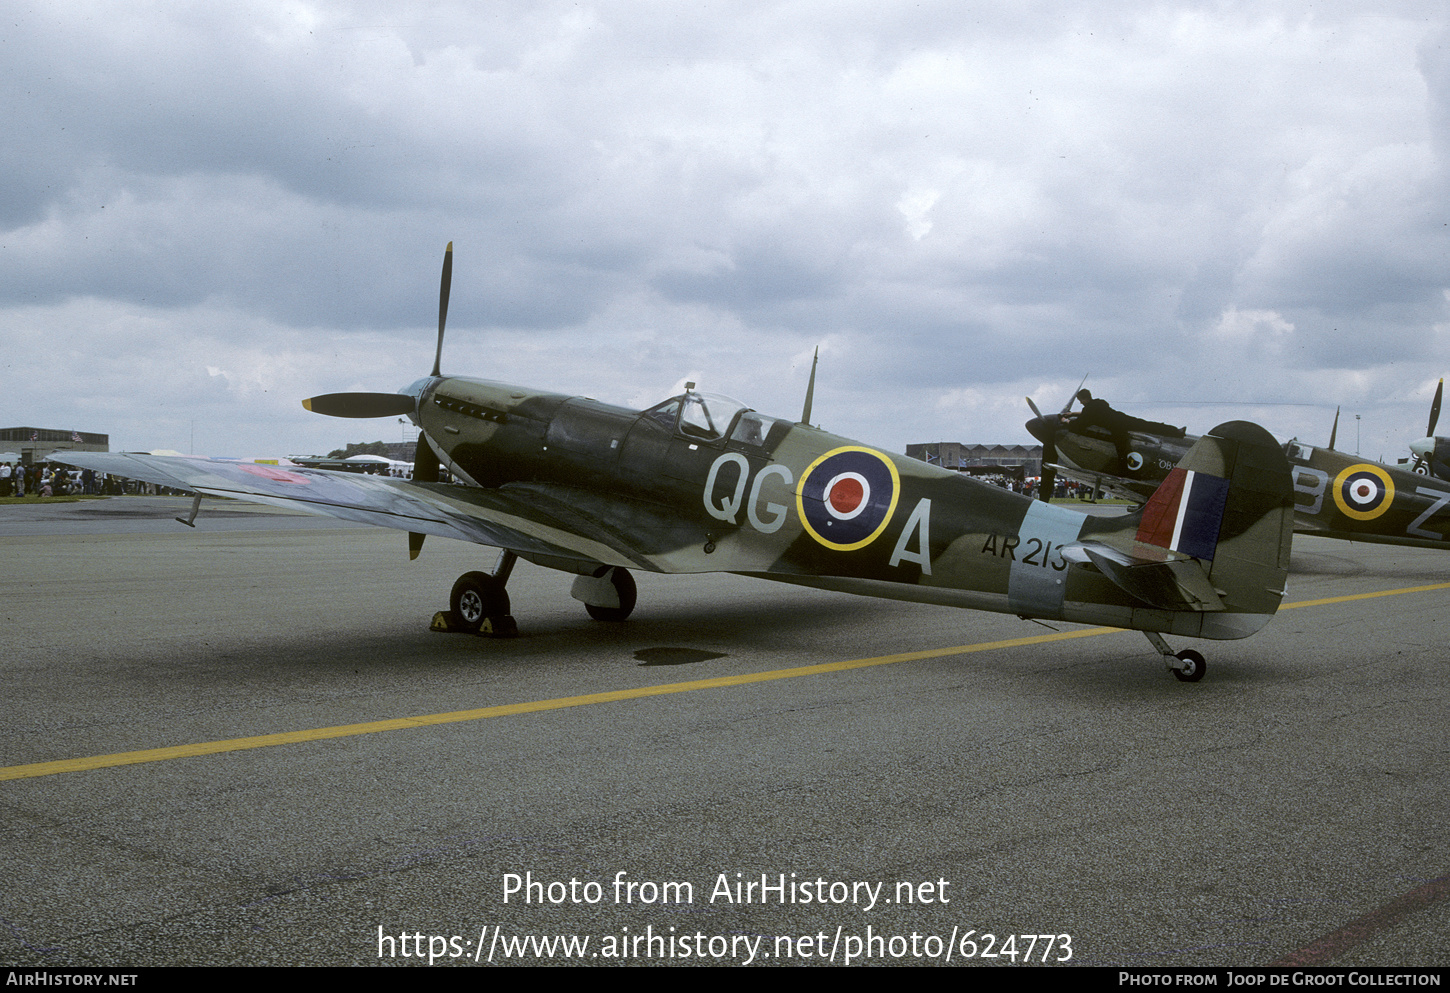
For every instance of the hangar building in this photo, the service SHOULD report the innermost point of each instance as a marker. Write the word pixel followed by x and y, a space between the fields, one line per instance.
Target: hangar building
pixel 28 445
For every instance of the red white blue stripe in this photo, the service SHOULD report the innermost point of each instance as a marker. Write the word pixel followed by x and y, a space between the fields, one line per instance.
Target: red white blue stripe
pixel 1185 513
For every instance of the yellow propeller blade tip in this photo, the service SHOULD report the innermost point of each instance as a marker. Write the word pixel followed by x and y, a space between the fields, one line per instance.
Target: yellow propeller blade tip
pixel 307 403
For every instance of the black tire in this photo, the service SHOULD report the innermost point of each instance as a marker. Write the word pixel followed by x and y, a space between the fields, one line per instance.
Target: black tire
pixel 475 596
pixel 1195 669
pixel 628 595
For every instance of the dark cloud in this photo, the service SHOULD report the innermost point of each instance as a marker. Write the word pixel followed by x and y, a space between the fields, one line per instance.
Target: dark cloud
pixel 960 204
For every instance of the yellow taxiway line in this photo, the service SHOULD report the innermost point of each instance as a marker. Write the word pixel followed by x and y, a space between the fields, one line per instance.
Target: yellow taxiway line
pixel 507 710
pixel 561 703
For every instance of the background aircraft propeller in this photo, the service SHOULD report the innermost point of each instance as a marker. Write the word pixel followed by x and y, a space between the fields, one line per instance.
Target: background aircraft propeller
pixel 1044 429
pixel 1424 449
pixel 1049 470
pixel 425 459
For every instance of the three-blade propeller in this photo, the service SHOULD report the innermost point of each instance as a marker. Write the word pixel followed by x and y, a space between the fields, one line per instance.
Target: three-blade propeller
pixel 1424 448
pixel 1044 429
pixel 425 460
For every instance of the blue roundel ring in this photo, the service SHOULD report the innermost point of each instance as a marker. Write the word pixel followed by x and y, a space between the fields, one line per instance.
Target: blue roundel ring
pixel 1363 492
pixel 847 496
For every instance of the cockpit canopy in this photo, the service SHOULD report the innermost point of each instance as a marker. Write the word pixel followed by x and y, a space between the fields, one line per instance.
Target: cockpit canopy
pixel 710 417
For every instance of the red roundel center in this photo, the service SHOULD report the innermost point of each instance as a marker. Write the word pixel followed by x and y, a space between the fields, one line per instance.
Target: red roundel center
pixel 846 495
pixel 271 472
pixel 1363 491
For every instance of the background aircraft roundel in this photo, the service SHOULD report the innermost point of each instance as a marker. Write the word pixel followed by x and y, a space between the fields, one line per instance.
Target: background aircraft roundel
pixel 1363 492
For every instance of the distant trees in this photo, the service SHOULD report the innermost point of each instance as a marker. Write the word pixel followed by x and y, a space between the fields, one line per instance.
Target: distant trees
pixel 363 448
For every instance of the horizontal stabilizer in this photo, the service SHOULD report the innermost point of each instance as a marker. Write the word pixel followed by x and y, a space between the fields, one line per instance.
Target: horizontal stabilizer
pixel 1169 582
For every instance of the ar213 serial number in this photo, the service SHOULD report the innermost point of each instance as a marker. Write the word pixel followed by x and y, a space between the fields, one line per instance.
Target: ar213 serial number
pixel 1035 551
pixel 1021 948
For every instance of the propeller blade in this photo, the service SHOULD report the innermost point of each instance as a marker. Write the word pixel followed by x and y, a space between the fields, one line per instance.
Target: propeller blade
pixel 444 284
pixel 1435 410
pixel 425 462
pixel 1035 411
pixel 1049 471
pixel 1334 431
pixel 360 404
pixel 1068 406
pixel 1049 483
pixel 425 470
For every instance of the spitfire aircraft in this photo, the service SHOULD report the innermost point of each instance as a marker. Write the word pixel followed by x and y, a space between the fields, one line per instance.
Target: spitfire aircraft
pixel 702 483
pixel 1336 495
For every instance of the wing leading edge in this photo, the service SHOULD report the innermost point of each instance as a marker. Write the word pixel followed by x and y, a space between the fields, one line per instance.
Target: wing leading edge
pixel 496 517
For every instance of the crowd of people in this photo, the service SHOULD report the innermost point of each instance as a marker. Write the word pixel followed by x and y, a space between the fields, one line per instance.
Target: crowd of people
pixel 1062 489
pixel 19 480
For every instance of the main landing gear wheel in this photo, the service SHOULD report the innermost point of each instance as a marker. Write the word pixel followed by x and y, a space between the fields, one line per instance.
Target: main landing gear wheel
pixel 478 597
pixel 1193 666
pixel 627 592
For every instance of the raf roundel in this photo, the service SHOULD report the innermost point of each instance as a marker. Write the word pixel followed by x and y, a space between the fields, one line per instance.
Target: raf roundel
pixel 847 496
pixel 1363 492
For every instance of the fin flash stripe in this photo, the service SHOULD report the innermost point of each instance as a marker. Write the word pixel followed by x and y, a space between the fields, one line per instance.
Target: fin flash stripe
pixel 1185 513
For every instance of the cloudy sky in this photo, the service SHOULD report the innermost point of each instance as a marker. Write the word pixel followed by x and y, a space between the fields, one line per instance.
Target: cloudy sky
pixel 1212 210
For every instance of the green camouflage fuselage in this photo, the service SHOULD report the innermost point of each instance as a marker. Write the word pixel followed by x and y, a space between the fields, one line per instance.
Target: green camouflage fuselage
pixel 790 502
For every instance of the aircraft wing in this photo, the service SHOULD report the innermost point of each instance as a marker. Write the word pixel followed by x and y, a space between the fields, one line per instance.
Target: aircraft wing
pixel 524 519
pixel 1115 486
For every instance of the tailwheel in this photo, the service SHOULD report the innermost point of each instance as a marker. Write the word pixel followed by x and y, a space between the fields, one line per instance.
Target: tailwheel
pixel 1188 666
pixel 480 604
pixel 1191 666
pixel 613 594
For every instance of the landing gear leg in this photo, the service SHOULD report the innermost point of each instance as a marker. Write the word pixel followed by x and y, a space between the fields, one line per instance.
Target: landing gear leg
pixel 479 603
pixel 1188 666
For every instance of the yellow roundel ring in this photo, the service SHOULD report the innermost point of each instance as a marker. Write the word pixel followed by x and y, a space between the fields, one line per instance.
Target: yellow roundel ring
pixel 1363 492
pixel 847 496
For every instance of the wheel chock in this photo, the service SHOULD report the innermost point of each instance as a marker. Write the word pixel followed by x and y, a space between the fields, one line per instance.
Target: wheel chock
pixel 502 626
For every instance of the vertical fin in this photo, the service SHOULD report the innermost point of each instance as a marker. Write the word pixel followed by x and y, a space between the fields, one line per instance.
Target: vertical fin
pixel 1229 504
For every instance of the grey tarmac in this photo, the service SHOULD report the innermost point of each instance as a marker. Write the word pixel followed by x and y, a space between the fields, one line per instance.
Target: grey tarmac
pixel 1064 787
